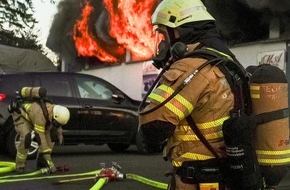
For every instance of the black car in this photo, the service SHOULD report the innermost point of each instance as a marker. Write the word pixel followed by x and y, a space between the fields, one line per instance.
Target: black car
pixel 100 112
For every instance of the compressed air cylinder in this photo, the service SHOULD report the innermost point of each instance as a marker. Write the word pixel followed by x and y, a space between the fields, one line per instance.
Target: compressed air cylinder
pixel 269 93
pixel 33 92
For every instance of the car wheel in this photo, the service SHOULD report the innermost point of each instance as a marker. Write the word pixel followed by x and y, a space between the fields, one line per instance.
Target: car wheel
pixel 13 143
pixel 141 148
pixel 118 147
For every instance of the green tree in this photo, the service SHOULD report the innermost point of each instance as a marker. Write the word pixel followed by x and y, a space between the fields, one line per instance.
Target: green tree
pixel 17 24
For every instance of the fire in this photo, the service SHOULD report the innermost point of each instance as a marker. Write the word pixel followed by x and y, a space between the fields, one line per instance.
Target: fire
pixel 85 43
pixel 129 25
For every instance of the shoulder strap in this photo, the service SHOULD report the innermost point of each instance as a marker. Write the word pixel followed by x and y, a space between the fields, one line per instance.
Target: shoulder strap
pixel 45 112
pixel 198 133
pixel 235 75
pixel 238 82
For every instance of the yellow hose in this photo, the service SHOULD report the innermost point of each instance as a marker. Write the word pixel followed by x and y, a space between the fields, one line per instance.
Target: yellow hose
pixel 38 172
pixel 6 167
pixel 2 180
pixel 100 183
pixel 146 181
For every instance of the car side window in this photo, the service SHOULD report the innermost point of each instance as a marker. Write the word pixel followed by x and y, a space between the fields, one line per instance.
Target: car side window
pixel 12 83
pixel 93 89
pixel 59 86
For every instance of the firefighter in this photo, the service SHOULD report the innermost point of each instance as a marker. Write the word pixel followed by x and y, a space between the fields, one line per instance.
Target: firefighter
pixel 46 120
pixel 207 98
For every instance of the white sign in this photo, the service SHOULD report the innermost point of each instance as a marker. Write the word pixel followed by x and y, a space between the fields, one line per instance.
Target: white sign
pixel 150 73
pixel 275 58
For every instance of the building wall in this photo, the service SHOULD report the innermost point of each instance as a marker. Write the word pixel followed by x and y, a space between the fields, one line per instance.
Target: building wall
pixel 251 54
pixel 129 77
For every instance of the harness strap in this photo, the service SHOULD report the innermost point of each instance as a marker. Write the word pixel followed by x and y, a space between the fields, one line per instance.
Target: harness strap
pixel 202 171
pixel 271 116
pixel 201 137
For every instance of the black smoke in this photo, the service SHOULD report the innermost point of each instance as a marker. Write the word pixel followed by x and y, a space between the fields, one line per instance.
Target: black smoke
pixel 238 21
pixel 241 21
pixel 60 38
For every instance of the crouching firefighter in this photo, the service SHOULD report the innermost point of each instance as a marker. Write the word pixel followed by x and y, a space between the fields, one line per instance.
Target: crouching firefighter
pixel 31 111
pixel 199 88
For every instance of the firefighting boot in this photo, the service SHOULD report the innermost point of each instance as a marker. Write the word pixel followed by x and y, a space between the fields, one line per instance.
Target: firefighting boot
pixel 20 170
pixel 20 163
pixel 43 161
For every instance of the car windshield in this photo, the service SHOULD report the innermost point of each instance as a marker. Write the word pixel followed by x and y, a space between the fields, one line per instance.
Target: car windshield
pixel 93 89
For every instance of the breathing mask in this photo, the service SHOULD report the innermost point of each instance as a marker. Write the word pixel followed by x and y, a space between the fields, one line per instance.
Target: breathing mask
pixel 161 46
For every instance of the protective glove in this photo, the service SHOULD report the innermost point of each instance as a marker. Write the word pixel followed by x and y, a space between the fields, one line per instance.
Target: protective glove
pixel 59 135
pixel 154 148
pixel 14 106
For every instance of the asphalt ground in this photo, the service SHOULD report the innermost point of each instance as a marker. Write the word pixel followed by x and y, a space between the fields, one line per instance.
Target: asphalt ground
pixel 82 159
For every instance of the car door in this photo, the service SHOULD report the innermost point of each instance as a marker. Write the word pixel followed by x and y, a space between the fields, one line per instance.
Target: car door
pixel 109 112
pixel 60 90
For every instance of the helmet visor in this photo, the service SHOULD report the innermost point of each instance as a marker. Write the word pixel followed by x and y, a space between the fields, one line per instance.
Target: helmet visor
pixel 160 36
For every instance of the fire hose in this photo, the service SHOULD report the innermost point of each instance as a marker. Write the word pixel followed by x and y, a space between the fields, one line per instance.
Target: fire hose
pixel 101 176
pixel 113 174
pixel 6 167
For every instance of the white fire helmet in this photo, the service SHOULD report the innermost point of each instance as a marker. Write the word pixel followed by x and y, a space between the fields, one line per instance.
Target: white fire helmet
pixel 173 13
pixel 61 114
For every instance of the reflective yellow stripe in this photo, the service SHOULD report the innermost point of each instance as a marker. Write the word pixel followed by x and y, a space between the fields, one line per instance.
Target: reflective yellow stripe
pixel 47 151
pixel 21 156
pixel 207 125
pixel 212 124
pixel 176 164
pixel 178 105
pixel 26 107
pixel 273 152
pixel 191 156
pixel 254 87
pixel 203 126
pixel 195 138
pixel 226 55
pixel 195 156
pixel 274 161
pixel 50 164
pixel 39 128
pixel 168 105
pixel 273 157
pixel 255 95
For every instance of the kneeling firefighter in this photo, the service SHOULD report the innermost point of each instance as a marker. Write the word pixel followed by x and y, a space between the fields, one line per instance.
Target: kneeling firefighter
pixel 269 92
pixel 32 112
pixel 194 97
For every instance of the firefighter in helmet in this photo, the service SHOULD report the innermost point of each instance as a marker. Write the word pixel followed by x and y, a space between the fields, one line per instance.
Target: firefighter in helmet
pixel 207 98
pixel 45 119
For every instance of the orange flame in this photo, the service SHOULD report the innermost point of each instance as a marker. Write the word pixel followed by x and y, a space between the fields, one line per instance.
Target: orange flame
pixel 129 25
pixel 85 43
